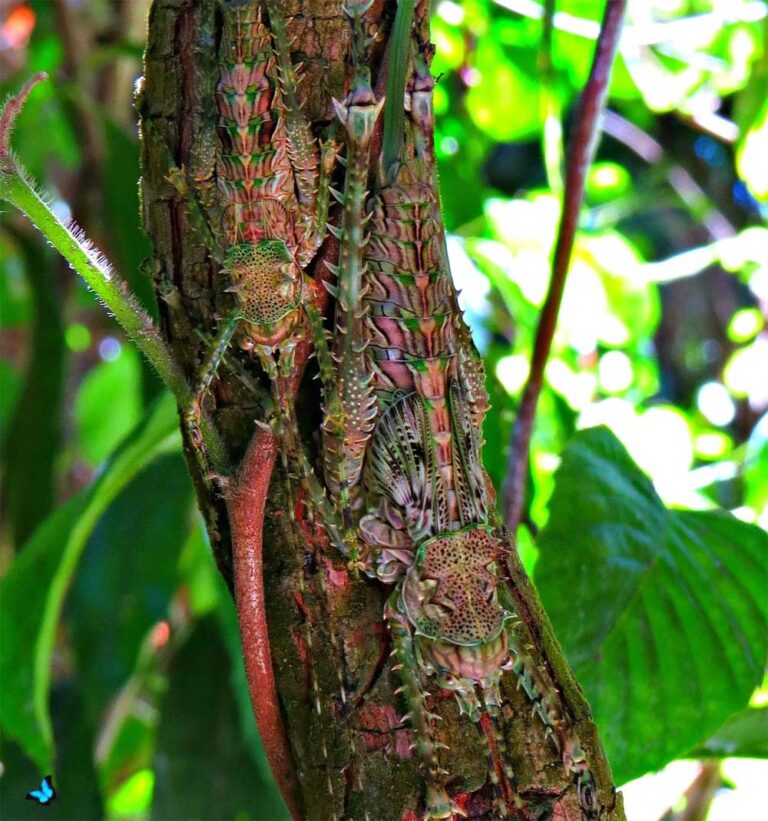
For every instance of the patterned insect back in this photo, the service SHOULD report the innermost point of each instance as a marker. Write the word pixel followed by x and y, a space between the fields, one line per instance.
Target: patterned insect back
pixel 254 170
pixel 429 526
pixel 262 224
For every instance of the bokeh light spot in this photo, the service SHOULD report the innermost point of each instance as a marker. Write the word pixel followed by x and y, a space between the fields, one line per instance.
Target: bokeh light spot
pixel 614 372
pixel 745 325
pixel 78 337
pixel 512 371
pixel 451 12
pixel 18 27
pixel 109 349
pixel 714 401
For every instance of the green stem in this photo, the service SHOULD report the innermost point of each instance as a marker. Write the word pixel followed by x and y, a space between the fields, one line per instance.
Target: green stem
pixel 17 188
pixel 97 273
pixel 394 115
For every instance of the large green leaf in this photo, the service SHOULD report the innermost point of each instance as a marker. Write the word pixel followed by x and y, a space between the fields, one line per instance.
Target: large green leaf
pixel 32 592
pixel 662 613
pixel 31 444
pixel 108 404
pixel 203 767
pixel 128 575
pixel 745 735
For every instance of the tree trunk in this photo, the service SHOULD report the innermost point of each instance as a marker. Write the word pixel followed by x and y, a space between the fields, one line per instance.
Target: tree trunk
pixel 325 625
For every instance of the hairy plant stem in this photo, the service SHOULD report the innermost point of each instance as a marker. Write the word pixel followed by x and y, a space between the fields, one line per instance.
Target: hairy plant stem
pixel 17 188
pixel 581 150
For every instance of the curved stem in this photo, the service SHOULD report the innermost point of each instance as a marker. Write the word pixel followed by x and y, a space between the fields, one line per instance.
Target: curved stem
pixel 17 188
pixel 581 150
pixel 246 502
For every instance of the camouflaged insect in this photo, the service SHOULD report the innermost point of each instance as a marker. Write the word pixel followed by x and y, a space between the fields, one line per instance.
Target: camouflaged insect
pixel 406 498
pixel 407 450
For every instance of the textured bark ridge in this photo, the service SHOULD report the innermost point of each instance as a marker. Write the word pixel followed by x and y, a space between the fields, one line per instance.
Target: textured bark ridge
pixel 326 626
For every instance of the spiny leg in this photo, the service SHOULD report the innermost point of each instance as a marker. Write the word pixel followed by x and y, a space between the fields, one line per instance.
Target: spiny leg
pixel 482 715
pixel 181 182
pixel 286 433
pixel 490 760
pixel 439 803
pixel 350 424
pixel 329 149
pixel 503 755
pixel 302 147
pixel 291 451
pixel 185 188
pixel 319 337
pixel 280 376
pixel 204 378
pixel 332 409
pixel 491 701
pixel 546 704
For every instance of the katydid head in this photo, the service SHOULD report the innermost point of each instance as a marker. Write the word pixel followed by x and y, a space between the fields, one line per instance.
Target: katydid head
pixel 449 596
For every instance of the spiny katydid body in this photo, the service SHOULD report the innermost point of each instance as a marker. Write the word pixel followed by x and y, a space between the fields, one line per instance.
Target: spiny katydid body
pixel 273 181
pixel 427 517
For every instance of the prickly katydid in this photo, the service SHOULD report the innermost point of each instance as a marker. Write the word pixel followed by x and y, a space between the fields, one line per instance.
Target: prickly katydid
pixel 409 454
pixel 273 187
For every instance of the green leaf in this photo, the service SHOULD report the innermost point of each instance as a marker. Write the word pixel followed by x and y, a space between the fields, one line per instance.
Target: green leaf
pixel 33 591
pixel 744 735
pixel 31 444
pixel 662 613
pixel 515 114
pixel 108 404
pixel 128 576
pixel 10 387
pixel 203 767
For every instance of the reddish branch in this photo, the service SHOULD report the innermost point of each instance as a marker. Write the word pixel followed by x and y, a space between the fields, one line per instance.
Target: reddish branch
pixel 245 504
pixel 246 499
pixel 581 150
pixel 10 111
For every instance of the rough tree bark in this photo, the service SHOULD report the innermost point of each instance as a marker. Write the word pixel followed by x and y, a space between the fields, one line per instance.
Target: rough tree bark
pixel 367 761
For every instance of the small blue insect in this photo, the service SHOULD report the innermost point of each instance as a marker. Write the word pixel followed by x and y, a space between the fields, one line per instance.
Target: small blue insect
pixel 45 794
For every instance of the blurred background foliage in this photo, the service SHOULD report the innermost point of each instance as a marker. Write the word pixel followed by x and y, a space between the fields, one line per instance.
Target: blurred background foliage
pixel 645 526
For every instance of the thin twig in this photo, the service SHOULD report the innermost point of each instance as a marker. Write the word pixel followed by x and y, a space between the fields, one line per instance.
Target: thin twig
pixel 680 180
pixel 580 153
pixel 11 110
